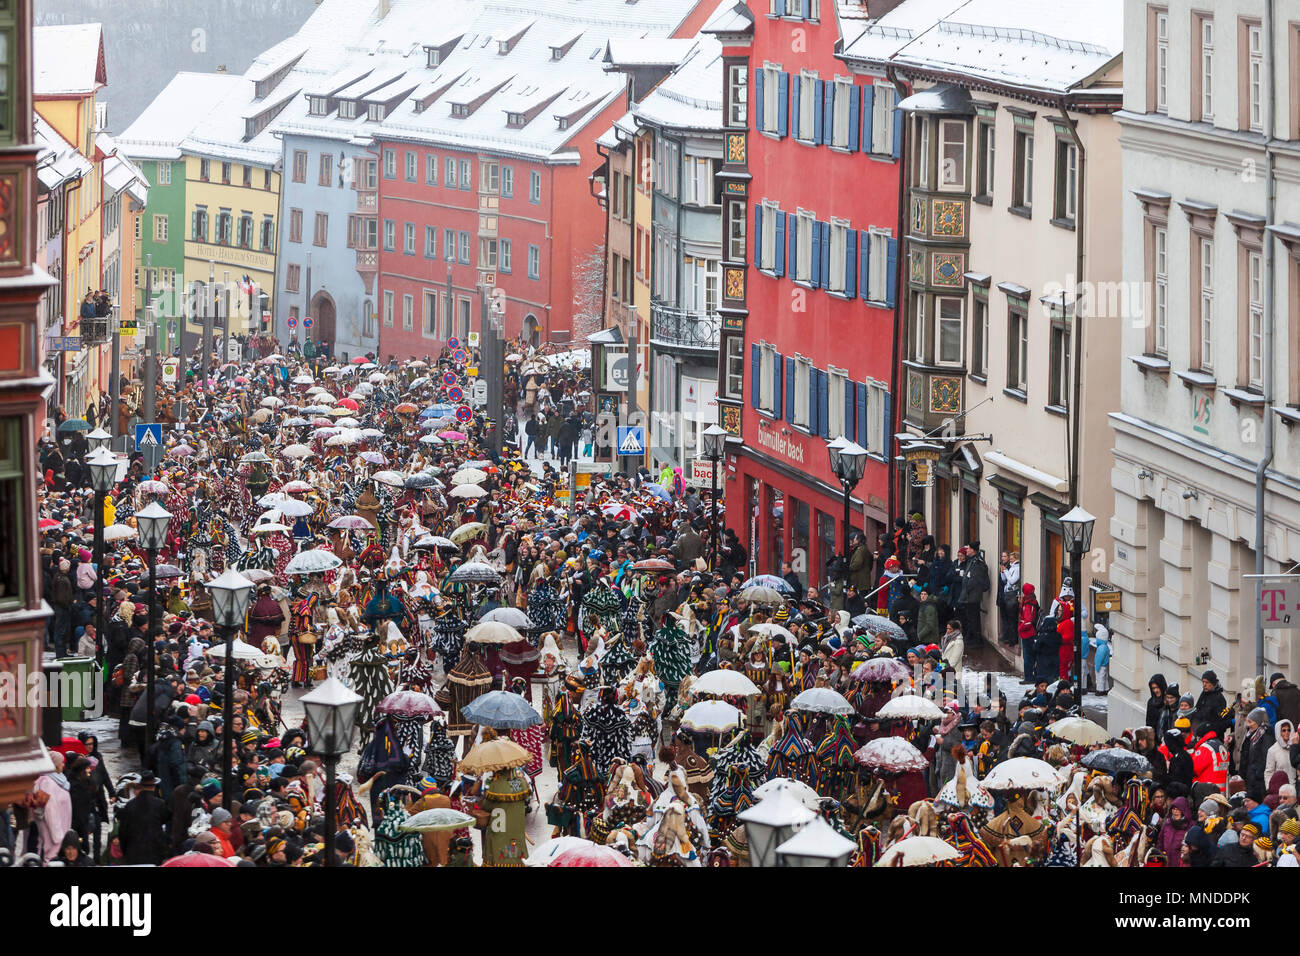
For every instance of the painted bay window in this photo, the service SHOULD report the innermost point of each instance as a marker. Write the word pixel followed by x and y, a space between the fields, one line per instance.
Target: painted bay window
pixel 952 155
pixel 949 314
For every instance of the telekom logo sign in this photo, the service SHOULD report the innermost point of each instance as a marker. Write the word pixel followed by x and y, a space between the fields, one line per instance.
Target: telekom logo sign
pixel 1277 602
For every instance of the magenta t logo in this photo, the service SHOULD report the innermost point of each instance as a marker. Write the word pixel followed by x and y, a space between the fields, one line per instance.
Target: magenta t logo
pixel 1272 606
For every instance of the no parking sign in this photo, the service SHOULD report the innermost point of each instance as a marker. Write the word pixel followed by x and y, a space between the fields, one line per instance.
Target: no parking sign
pixel 453 344
pixel 293 321
pixel 463 414
pixel 308 322
pixel 448 378
pixel 455 393
pixel 461 356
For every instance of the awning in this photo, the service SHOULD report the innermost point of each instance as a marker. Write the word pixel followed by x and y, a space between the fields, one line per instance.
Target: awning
pixel 942 98
pixel 610 336
pixel 1028 472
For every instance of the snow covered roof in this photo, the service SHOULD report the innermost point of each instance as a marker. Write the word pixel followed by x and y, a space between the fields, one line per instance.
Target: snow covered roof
pixel 883 37
pixel 222 134
pixel 691 97
pixel 639 51
pixel 731 18
pixel 122 175
pixel 68 60
pixel 1036 44
pixel 159 130
pixel 57 160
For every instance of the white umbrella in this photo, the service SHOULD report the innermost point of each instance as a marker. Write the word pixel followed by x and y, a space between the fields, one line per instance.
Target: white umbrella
pixel 375 378
pixel 273 499
pixel 312 562
pixel 392 478
pixel 431 440
pixel 711 715
pixel 119 532
pixel 437 541
pixel 492 632
pixel 1079 730
pixel 239 650
pixel 271 401
pixel 270 527
pixel 911 707
pixel 294 508
pixel 805 794
pixel 303 380
pixel 823 700
pixel 511 616
pixel 771 629
pixel 468 491
pixel 341 439
pixel 544 853
pixel 725 682
pixel 1022 773
pixel 918 851
pixel 468 476
pixel 297 487
pixel 296 451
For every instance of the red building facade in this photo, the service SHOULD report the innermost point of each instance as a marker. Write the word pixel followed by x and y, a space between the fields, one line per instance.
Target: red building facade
pixel 812 179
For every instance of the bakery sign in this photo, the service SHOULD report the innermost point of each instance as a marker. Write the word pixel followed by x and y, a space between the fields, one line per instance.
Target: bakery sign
pixel 787 446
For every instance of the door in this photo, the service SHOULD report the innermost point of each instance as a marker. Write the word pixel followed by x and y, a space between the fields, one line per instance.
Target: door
pixel 325 319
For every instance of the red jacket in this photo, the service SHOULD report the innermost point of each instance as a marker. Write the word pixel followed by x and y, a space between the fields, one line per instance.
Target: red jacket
pixel 1210 761
pixel 1066 630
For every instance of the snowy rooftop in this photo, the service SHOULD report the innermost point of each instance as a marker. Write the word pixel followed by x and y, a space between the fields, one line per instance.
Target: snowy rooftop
pixel 1038 44
pixel 691 98
pixel 880 39
pixel 68 59
pixel 159 131
pixel 637 51
pixel 732 16
pixel 57 160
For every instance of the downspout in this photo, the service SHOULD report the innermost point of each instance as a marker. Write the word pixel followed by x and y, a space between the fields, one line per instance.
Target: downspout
pixel 903 89
pixel 1076 399
pixel 609 175
pixel 1270 198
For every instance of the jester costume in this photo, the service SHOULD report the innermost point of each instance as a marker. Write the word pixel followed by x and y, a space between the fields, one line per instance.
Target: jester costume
pixel 609 729
pixel 671 651
pixel 973 851
pixel 303 624
pixel 566 728
pixel 394 847
pixel 439 755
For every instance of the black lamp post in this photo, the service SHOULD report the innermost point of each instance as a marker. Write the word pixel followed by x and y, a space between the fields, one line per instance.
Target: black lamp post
pixel 848 462
pixel 1076 530
pixel 102 465
pixel 331 719
pixel 152 521
pixel 230 596
pixel 715 443
pixel 98 439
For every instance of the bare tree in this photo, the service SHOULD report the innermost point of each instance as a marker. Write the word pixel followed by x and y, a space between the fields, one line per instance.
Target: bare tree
pixel 588 293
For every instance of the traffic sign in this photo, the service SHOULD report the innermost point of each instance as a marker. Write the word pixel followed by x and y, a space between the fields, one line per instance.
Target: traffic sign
pixel 472 371
pixel 449 378
pixel 169 368
pixel 293 321
pixel 461 356
pixel 308 321
pixel 473 340
pixel 455 393
pixel 148 434
pixel 480 392
pixel 453 343
pixel 631 440
pixel 464 414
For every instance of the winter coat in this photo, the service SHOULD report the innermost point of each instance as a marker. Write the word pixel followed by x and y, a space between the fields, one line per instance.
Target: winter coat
pixel 1254 757
pixel 927 623
pixel 1280 755
pixel 974 580
pixel 1027 622
pixel 1156 704
pixel 169 763
pixel 1210 761
pixel 1212 709
pixel 860 568
pixel 204 754
pixel 140 827
pixel 1170 837
pixel 1234 855
pixel 1287 695
pixel 1048 648
pixel 1202 846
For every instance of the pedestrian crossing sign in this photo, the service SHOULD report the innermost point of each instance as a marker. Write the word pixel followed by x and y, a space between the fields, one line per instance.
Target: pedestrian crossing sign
pixel 148 435
pixel 631 440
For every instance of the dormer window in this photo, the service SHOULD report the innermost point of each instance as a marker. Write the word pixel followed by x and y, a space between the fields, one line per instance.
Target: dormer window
pixel 318 105
pixel 434 58
pixel 564 122
pixel 347 109
pixel 375 112
pixel 460 109
pixel 557 52
pixel 503 47
pixel 515 120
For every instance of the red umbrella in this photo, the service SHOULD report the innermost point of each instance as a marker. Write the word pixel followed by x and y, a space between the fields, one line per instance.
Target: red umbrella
pixel 348 403
pixel 193 859
pixel 591 855
pixel 48 523
pixel 362 360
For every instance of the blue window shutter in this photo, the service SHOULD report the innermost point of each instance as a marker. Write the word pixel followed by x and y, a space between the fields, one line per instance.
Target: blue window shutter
pixel 898 132
pixel 853 119
pixel 868 113
pixel 778 261
pixel 792 244
pixel 789 390
pixel 828 111
pixel 823 405
pixel 813 406
pixel 755 375
pixel 815 260
pixel 780 8
pixel 796 83
pixel 861 389
pixel 805 8
pixel 848 409
pixel 783 104
pixel 758 235
pixel 826 253
pixel 850 262
pixel 886 431
pixel 758 99
pixel 891 270
pixel 819 94
pixel 864 265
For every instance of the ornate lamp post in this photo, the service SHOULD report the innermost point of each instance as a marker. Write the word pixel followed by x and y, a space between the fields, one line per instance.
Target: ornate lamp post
pixel 848 462
pixel 230 596
pixel 102 465
pixel 715 442
pixel 98 439
pixel 331 719
pixel 1076 532
pixel 152 521
pixel 772 821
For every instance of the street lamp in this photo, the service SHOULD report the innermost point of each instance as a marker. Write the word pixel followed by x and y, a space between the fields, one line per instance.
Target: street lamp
pixel 230 596
pixel 772 821
pixel 1076 532
pixel 848 462
pixel 102 465
pixel 151 521
pixel 331 718
pixel 715 441
pixel 98 439
pixel 816 844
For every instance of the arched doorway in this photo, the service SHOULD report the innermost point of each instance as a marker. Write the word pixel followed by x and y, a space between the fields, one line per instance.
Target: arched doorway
pixel 532 334
pixel 324 316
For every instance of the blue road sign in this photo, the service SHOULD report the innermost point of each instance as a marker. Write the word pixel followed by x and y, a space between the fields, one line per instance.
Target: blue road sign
pixel 148 435
pixel 631 440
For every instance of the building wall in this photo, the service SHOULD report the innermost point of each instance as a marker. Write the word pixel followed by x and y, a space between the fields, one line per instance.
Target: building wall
pixel 165 199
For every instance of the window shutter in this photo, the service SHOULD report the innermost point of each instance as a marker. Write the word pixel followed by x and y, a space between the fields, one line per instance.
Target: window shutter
pixel 850 262
pixel 758 98
pixel 755 375
pixel 861 389
pixel 778 261
pixel 819 91
pixel 758 235
pixel 827 90
pixel 796 109
pixel 848 409
pixel 825 227
pixel 782 104
pixel 815 260
pixel 864 265
pixel 868 114
pixel 885 433
pixel 780 8
pixel 789 389
pixel 778 389
pixel 792 243
pixel 898 133
pixel 823 404
pixel 805 8
pixel 194 224
pixel 853 119
pixel 891 270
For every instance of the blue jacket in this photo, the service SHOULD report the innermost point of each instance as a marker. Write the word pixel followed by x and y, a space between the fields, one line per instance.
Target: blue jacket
pixel 1101 656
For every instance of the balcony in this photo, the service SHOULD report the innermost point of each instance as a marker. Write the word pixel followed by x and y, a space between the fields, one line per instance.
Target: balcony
pixel 95 331
pixel 683 329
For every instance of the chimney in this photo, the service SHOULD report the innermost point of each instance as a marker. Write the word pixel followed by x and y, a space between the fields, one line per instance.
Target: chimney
pixel 221 68
pixel 384 7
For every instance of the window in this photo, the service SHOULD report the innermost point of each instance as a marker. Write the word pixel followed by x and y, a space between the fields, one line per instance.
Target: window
pixel 1058 385
pixel 534 262
pixel 246 230
pixel 408 312
pixel 804 229
pixel 266 179
pixel 844 93
pixel 837 383
pixel 268 233
pixel 948 315
pixel 809 104
pixel 295 225
pixel 736 231
pixel 371 233
pixel 768 373
pixel 321 230
pixel 1017 345
pixel 986 146
pixel 431 170
pixel 390 235
pixel 489 177
pixel 877 402
pixel 508 182
pixel 390 164
pixel 800 414
pixel 503 255
pixel 14 496
pixel 449 245
pixel 369 321
pixel 325 175
pixel 769 118
pixel 347 109
pixel 1203 66
pixel 487 254
pixel 164 174
pixel 1160 289
pixel 923 152
pixel 463 240
pixel 430 326
pixel 449 175
pixel 737 95
pixel 411 165
pixel 248 177
pixel 205 169
pixel 979 327
pixel 408 239
pixel 877 278
pixel 225 173
pixel 882 118
pixel 370 174
pixel 1067 180
pixel 462 307
pixel 159 227
pixel 1023 197
pixel 1255 77
pixel 1205 332
pixel 292 277
pixel 837 233
pixel 734 378
pixel 225 225
pixel 388 308
pixel 1162 61
pixel 534 186
pixel 465 181
pixel 697 181
pixel 199 224
pixel 1255 320
pixel 952 155
pixel 430 242
pixel 767 249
